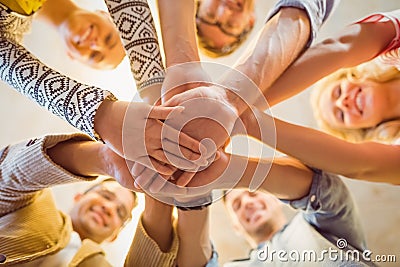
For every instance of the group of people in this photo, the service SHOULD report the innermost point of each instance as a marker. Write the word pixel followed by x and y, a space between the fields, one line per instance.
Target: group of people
pixel 171 148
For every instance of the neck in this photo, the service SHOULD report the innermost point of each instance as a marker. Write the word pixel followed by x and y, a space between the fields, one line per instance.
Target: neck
pixel 55 12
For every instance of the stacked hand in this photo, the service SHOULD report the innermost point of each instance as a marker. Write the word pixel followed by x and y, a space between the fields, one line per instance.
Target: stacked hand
pixel 135 131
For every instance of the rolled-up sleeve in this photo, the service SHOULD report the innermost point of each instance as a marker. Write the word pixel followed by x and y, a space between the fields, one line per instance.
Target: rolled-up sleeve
pixel 330 208
pixel 317 11
pixel 145 251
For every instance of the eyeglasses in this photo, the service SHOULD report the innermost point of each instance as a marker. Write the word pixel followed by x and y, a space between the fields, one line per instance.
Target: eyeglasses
pixel 223 28
pixel 227 30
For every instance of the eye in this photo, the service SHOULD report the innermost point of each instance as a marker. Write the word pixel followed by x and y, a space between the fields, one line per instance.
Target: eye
pixel 339 114
pixel 121 213
pixel 236 205
pixel 95 56
pixel 108 38
pixel 337 92
pixel 106 195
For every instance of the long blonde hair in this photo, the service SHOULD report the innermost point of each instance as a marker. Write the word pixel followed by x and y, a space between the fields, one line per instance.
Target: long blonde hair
pixel 374 70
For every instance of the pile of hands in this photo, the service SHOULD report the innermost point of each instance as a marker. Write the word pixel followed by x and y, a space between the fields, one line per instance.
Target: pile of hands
pixel 174 150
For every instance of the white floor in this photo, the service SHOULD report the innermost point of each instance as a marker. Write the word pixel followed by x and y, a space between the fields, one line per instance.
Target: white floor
pixel 378 204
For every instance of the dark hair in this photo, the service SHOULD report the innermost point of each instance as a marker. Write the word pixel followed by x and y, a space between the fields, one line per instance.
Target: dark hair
pixel 224 193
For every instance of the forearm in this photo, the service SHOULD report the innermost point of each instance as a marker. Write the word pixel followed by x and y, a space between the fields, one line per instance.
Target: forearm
pixel 363 161
pixel 286 178
pixel 155 243
pixel 178 31
pixel 25 168
pixel 194 237
pixel 157 221
pixel 355 44
pixel 59 94
pixel 323 151
pixel 280 42
pixel 132 19
pixel 83 158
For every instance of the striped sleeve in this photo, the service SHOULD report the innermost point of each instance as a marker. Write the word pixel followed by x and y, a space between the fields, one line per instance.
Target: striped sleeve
pixel 390 54
pixel 144 250
pixel 25 169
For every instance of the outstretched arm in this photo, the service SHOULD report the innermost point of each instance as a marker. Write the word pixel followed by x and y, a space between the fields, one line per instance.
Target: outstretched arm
pixel 155 242
pixel 355 44
pixel 40 163
pixel 194 238
pixel 366 161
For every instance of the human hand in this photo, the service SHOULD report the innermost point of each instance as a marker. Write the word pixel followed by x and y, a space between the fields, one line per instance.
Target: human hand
pixel 183 77
pixel 134 131
pixel 208 116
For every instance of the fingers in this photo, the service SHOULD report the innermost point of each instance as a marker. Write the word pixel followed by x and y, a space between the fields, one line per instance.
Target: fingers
pixel 184 140
pixel 156 165
pixel 185 178
pixel 175 161
pixel 145 178
pixel 177 99
pixel 162 113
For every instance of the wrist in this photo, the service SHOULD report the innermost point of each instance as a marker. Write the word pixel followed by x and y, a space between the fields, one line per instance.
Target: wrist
pixel 109 118
pixel 240 90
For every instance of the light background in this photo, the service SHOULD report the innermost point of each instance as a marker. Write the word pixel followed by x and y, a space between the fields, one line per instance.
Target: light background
pixel 21 119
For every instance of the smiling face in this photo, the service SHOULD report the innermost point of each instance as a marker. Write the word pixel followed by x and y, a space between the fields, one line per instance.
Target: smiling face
pixel 354 105
pixel 92 38
pixel 258 214
pixel 100 213
pixel 224 23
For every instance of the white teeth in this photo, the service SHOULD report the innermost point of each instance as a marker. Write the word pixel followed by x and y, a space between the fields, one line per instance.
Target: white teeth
pixel 359 102
pixel 86 35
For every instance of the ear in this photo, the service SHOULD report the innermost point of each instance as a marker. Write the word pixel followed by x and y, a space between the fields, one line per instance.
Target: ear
pixel 114 235
pixel 252 20
pixel 70 55
pixel 105 14
pixel 77 197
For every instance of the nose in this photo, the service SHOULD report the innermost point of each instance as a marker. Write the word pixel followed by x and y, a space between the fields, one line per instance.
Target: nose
pixel 223 13
pixel 108 208
pixel 343 102
pixel 248 202
pixel 94 44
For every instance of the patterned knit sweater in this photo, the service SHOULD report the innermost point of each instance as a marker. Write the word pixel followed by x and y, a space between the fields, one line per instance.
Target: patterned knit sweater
pixel 75 102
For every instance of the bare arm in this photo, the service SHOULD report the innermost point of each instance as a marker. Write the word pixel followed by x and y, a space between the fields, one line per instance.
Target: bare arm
pixel 157 220
pixel 194 237
pixel 287 178
pixel 356 44
pixel 178 31
pixel 279 43
pixel 366 161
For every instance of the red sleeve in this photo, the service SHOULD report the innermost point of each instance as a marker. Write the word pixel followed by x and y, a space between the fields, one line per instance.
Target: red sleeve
pixel 394 17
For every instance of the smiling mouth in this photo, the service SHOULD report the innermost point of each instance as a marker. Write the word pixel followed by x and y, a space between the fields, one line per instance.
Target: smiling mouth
pixel 358 101
pixel 85 36
pixel 99 218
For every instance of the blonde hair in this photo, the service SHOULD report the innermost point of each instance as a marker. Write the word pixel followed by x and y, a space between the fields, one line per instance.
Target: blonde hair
pixel 385 132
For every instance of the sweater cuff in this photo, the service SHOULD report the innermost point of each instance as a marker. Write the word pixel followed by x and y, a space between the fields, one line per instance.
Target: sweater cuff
pixel 146 252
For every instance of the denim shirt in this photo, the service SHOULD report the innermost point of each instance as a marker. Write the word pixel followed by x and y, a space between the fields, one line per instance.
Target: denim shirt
pixel 327 221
